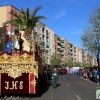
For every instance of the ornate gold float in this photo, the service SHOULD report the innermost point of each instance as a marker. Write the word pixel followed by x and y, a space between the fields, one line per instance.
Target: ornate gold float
pixel 14 65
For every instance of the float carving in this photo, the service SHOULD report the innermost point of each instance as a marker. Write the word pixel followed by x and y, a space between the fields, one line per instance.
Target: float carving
pixel 15 65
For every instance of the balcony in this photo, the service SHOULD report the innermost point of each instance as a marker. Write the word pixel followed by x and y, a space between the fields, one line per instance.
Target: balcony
pixel 68 53
pixel 59 55
pixel 35 30
pixel 42 43
pixel 59 39
pixel 47 36
pixel 59 43
pixel 47 45
pixel 62 45
pixel 47 32
pixel 60 50
pixel 47 51
pixel 71 58
pixel 71 53
pixel 62 41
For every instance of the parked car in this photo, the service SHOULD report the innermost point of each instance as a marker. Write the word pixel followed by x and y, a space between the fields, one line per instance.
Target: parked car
pixel 62 71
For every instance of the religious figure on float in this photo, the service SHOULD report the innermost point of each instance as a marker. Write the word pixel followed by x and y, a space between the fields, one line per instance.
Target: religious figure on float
pixel 20 43
pixel 8 47
pixel 20 40
pixel 23 34
pixel 26 45
pixel 16 44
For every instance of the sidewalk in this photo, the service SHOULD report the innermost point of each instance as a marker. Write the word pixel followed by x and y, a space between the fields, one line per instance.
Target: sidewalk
pixel 89 80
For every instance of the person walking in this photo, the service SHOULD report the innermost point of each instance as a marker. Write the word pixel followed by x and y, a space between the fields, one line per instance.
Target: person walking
pixel 45 77
pixel 55 77
pixel 49 74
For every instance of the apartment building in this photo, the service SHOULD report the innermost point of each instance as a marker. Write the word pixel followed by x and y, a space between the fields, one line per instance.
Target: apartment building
pixel 94 62
pixel 50 43
pixel 39 34
pixel 76 53
pixel 60 48
pixel 67 48
pixel 63 53
pixel 46 38
pixel 71 52
pixel 56 44
pixel 80 55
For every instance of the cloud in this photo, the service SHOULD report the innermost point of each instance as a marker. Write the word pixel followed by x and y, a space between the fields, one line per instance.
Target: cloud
pixel 61 14
pixel 77 32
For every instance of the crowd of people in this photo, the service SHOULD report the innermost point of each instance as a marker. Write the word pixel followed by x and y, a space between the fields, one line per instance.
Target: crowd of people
pixel 90 73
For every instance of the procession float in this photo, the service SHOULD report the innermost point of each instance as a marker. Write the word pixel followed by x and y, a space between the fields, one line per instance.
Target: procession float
pixel 21 68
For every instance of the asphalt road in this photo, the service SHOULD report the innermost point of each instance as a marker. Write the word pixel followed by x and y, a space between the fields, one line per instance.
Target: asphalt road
pixel 70 87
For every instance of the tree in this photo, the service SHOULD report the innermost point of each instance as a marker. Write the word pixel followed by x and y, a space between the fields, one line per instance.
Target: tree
pixel 55 60
pixel 27 20
pixel 69 63
pixel 78 64
pixel 44 59
pixel 91 36
pixel 85 64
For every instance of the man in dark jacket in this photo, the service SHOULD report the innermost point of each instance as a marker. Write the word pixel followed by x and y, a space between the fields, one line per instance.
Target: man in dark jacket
pixel 45 77
pixel 55 77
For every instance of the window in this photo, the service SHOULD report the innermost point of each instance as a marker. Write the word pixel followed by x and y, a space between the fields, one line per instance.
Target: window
pixel 40 28
pixel 46 31
pixel 43 29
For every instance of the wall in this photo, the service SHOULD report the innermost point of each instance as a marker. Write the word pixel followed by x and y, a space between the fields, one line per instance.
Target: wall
pixel 3 14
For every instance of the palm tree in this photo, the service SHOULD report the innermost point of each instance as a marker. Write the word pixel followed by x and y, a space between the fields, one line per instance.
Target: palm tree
pixel 27 20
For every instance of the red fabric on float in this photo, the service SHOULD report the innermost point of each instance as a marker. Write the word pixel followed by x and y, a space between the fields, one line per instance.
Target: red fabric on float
pixel 31 91
pixel 20 90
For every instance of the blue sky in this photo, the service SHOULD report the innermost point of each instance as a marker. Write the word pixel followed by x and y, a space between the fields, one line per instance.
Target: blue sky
pixel 66 17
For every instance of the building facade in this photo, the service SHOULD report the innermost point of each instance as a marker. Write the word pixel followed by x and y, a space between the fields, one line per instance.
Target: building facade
pixel 76 54
pixel 45 37
pixel 50 43
pixel 6 16
pixel 80 56
pixel 6 31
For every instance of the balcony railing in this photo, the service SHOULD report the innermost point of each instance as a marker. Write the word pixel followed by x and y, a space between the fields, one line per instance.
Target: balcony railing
pixel 62 41
pixel 60 50
pixel 47 45
pixel 63 46
pixel 59 39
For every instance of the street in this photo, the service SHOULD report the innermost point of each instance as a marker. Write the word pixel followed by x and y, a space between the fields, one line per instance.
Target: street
pixel 70 87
